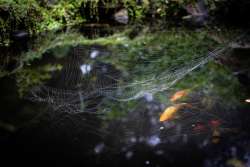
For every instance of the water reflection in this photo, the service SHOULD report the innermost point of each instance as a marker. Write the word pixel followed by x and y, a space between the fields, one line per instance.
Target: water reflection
pixel 84 110
pixel 87 83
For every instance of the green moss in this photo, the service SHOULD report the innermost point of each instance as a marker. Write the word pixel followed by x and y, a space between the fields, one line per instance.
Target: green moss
pixel 61 14
pixel 29 15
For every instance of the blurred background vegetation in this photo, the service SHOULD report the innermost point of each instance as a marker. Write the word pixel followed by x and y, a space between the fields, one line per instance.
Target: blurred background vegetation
pixel 33 16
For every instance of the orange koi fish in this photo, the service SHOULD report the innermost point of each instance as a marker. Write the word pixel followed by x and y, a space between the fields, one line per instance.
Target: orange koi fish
pixel 216 136
pixel 179 94
pixel 170 111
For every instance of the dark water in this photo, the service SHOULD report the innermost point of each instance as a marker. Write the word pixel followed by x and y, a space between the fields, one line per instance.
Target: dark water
pixel 76 118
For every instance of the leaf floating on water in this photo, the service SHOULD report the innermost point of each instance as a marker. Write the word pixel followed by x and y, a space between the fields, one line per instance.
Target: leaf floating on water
pixel 179 94
pixel 170 111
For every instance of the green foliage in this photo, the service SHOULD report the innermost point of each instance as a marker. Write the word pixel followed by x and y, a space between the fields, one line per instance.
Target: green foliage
pixel 36 16
pixel 33 17
pixel 16 15
pixel 61 14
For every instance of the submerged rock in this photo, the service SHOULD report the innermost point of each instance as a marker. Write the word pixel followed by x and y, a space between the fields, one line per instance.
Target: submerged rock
pixel 122 16
pixel 198 13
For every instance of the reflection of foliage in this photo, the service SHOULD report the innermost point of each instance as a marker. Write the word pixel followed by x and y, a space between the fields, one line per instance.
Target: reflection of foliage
pixel 117 110
pixel 62 40
pixel 151 54
pixel 215 82
pixel 211 85
pixel 28 77
pixel 168 45
pixel 145 56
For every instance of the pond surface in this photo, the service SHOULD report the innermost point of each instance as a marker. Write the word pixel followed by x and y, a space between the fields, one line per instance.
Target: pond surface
pixel 97 96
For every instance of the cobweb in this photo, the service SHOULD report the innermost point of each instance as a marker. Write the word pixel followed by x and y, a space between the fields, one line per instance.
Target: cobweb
pixel 99 81
pixel 82 80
